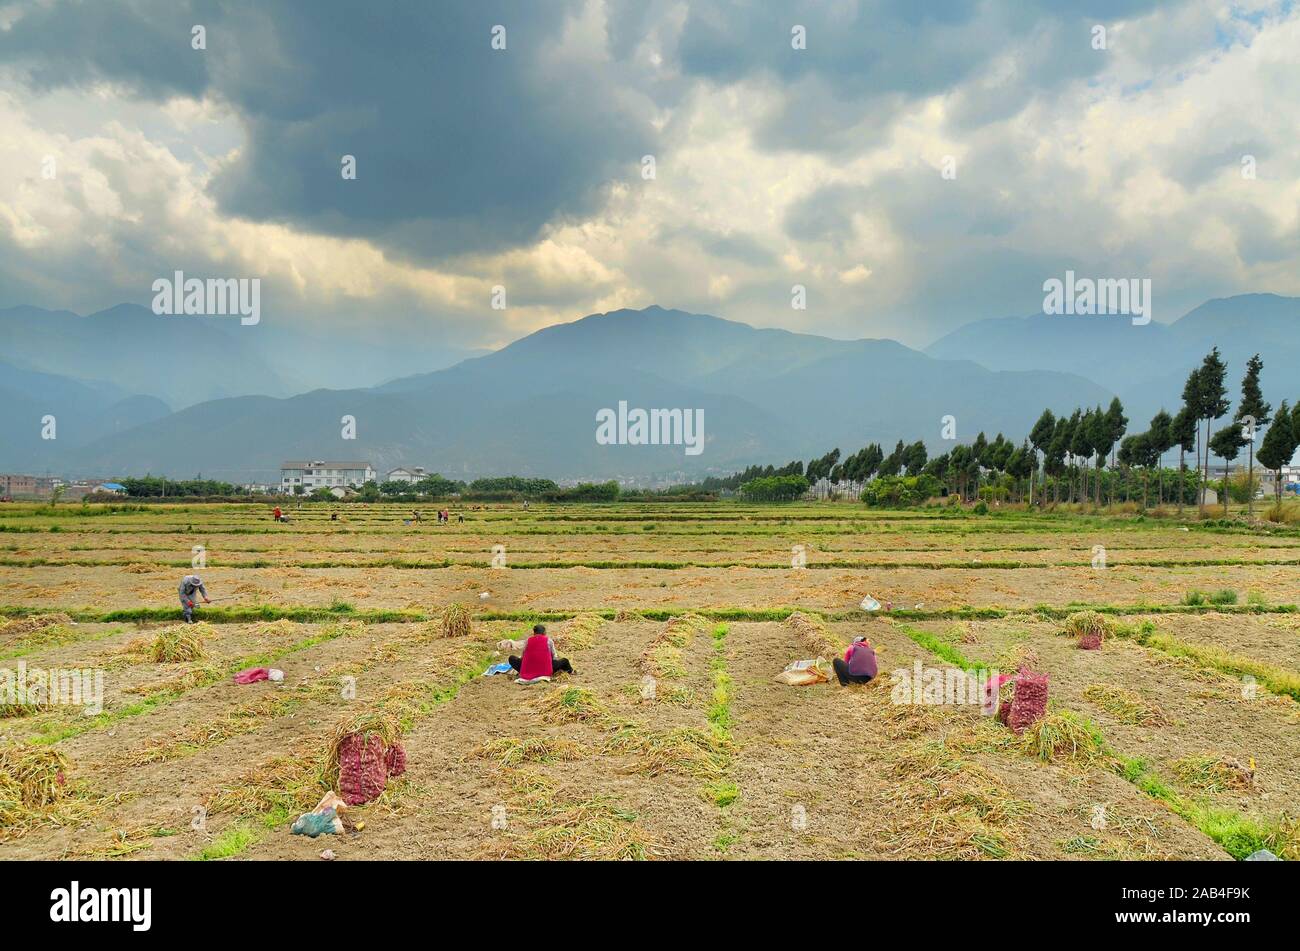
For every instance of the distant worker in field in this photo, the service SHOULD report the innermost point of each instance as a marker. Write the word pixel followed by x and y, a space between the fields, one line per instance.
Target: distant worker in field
pixel 858 665
pixel 540 659
pixel 191 585
pixel 277 514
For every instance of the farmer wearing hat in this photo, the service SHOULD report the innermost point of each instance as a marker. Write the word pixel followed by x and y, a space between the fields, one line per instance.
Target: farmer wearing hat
pixel 189 585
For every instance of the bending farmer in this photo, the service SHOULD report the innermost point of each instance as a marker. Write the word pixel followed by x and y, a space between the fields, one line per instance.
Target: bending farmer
pixel 858 665
pixel 190 585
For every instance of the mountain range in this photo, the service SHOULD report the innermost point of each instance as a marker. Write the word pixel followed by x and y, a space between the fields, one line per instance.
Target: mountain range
pixel 1145 365
pixel 137 393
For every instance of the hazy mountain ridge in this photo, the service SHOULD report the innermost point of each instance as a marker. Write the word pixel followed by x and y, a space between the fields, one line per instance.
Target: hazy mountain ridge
pixel 79 411
pixel 530 408
pixel 768 395
pixel 1145 365
pixel 179 360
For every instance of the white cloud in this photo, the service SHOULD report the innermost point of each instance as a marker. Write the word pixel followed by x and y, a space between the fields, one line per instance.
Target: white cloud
pixel 1134 168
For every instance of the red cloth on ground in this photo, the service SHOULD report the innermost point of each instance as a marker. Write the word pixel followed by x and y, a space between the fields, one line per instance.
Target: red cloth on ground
pixel 536 661
pixel 252 675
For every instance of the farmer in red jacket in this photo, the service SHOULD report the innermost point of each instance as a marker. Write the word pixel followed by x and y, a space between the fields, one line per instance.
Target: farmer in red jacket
pixel 858 665
pixel 540 658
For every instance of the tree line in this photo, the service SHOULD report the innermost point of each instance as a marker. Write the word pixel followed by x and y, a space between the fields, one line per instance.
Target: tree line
pixel 1084 455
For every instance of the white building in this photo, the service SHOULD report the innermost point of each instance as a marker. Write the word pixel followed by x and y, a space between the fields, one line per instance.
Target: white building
pixel 408 474
pixel 1267 485
pixel 300 478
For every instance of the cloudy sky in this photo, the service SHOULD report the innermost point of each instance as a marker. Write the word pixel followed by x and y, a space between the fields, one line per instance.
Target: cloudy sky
pixel 524 167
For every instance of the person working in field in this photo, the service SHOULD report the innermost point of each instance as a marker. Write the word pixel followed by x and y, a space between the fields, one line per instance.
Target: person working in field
pixel 858 665
pixel 190 586
pixel 540 658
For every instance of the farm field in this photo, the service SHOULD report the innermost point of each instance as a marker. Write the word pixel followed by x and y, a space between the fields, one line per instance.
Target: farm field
pixel 1180 738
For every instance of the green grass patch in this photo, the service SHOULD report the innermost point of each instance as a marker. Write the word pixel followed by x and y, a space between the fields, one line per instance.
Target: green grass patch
pixel 1278 680
pixel 943 649
pixel 1239 835
pixel 228 844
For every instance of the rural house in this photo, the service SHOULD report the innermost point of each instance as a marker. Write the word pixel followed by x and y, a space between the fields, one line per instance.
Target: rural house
pixel 299 478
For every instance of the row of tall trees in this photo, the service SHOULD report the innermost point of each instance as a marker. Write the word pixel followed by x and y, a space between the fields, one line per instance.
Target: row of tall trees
pixel 867 462
pixel 1085 454
pixel 734 482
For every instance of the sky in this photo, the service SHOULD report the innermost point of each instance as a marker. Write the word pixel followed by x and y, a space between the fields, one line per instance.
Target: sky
pixel 914 166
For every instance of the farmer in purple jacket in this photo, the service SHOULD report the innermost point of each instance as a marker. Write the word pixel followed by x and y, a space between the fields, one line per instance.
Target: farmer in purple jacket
pixel 858 665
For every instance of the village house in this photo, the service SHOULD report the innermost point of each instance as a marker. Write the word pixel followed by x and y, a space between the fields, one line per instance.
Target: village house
pixel 26 486
pixel 408 474
pixel 300 478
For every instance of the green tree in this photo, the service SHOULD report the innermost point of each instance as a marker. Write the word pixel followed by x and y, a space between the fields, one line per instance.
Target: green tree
pixel 999 451
pixel 914 457
pixel 1280 443
pixel 775 488
pixel 890 465
pixel 1160 436
pixel 978 460
pixel 1057 451
pixel 437 485
pixel 899 491
pixel 958 467
pixel 1183 431
pixel 1021 465
pixel 938 466
pixel 1252 415
pixel 1226 444
pixel 1211 403
pixel 1110 429
pixel 821 468
pixel 1040 437
pixel 862 465
pixel 1081 447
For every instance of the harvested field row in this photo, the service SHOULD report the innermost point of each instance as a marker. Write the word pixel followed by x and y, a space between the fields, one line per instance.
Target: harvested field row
pixel 673 739
pixel 59 588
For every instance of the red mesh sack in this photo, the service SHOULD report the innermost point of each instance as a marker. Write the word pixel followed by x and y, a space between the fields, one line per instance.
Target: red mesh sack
pixel 1090 641
pixel 1029 702
pixel 395 760
pixel 363 772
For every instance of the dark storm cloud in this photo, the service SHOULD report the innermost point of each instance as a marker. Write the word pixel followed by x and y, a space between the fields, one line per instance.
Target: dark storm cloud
pixel 144 46
pixel 459 147
pixel 464 149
